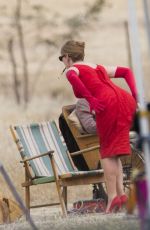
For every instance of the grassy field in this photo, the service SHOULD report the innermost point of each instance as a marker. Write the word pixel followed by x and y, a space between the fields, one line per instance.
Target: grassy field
pixel 45 219
pixel 46 25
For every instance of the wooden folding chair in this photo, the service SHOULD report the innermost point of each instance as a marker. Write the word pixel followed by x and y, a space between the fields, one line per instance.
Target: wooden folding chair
pixel 46 160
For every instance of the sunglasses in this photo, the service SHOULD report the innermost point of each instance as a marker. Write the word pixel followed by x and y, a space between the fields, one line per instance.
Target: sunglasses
pixel 61 57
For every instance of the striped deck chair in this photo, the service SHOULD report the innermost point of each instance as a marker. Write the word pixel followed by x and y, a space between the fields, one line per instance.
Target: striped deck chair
pixel 47 160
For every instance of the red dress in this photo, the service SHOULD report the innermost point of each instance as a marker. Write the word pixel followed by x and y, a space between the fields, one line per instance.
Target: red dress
pixel 114 122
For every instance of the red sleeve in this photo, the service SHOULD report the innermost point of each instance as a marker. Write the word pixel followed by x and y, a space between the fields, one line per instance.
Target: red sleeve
pixel 127 74
pixel 81 91
pixel 76 83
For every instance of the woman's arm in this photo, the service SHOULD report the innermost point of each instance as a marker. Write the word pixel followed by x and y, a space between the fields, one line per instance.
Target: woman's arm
pixel 81 91
pixel 127 74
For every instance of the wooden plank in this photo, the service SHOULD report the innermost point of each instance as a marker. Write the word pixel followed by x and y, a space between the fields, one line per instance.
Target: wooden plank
pixel 81 173
pixel 92 157
pixel 82 180
pixel 27 194
pixel 62 203
pixel 44 205
pixel 85 150
pixel 66 175
pixel 28 170
pixel 37 156
pixel 64 194
pixel 86 135
pixel 71 161
pixel 26 183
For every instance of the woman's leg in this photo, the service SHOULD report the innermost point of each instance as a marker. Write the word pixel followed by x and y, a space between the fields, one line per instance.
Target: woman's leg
pixel 119 186
pixel 119 179
pixel 110 166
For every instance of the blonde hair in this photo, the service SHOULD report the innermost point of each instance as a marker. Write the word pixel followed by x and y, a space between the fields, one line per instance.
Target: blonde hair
pixel 74 49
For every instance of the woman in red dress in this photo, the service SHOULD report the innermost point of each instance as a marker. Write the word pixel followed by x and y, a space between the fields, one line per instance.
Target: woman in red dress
pixel 114 109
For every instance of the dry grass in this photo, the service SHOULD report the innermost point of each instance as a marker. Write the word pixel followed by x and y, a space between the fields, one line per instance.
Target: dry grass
pixel 47 219
pixel 45 27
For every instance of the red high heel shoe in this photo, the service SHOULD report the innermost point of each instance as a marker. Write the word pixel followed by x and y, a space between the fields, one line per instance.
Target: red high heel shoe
pixel 123 200
pixel 115 205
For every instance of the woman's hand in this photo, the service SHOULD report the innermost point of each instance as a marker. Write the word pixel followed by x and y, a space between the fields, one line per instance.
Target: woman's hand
pixel 96 105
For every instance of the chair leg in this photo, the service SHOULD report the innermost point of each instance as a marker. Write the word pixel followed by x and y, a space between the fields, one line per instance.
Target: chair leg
pixel 64 194
pixel 58 186
pixel 27 198
pixel 27 191
pixel 62 203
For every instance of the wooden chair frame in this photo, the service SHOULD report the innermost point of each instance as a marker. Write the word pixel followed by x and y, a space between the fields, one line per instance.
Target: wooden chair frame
pixel 62 181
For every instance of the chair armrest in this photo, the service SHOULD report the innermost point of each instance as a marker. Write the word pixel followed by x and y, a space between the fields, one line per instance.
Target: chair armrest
pixel 86 135
pixel 85 150
pixel 68 108
pixel 37 156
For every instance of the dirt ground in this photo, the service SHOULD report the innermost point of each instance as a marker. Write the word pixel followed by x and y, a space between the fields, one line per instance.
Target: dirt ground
pixel 46 218
pixel 47 25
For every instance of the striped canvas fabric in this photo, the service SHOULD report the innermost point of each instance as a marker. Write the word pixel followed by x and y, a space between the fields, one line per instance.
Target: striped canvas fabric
pixel 40 138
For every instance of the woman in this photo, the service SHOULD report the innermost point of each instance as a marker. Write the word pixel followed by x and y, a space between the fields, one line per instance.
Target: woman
pixel 114 109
